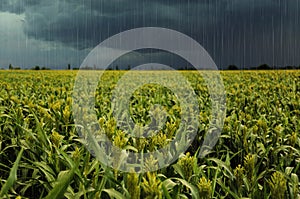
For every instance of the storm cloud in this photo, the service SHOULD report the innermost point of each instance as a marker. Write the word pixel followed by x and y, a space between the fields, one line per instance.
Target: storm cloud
pixel 241 32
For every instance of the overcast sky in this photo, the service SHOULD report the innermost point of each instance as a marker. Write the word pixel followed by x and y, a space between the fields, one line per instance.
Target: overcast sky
pixel 54 33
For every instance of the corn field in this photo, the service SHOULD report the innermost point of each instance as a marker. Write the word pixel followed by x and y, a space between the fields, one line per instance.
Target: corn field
pixel 257 155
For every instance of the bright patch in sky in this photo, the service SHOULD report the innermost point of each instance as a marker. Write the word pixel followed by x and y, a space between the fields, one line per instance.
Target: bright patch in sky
pixel 18 49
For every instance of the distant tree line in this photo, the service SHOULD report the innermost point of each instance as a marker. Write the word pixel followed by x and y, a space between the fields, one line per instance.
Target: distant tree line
pixel 263 67
pixel 116 67
pixel 10 67
pixel 40 68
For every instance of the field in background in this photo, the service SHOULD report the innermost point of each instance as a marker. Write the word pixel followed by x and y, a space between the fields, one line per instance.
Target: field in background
pixel 257 156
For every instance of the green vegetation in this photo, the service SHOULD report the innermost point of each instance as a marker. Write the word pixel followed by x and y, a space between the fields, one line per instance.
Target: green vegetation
pixel 257 156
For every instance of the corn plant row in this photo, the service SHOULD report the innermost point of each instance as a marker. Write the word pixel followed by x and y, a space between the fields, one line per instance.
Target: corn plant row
pixel 42 155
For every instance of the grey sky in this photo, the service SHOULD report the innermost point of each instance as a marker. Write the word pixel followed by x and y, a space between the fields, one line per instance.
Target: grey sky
pixel 57 32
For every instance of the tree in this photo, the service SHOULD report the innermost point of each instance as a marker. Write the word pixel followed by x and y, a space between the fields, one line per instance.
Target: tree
pixel 232 67
pixel 10 67
pixel 69 66
pixel 36 68
pixel 264 67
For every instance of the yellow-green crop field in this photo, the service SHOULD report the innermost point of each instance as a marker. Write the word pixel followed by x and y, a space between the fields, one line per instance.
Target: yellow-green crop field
pixel 257 155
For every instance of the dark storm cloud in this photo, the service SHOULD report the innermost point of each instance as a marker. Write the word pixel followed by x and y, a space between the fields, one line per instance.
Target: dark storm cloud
pixel 16 6
pixel 85 25
pixel 242 32
pixel 261 32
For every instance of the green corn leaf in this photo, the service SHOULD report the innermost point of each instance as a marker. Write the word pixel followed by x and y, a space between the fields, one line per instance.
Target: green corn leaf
pixel 194 189
pixel 61 184
pixel 114 194
pixel 12 175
